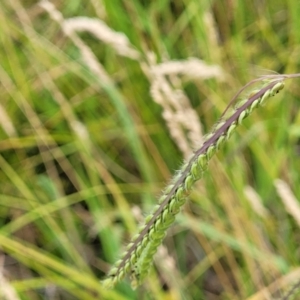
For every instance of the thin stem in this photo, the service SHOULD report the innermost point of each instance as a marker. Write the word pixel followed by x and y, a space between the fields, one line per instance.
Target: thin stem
pixel 291 293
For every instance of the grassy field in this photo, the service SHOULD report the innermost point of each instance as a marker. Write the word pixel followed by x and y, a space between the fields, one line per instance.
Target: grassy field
pixel 101 102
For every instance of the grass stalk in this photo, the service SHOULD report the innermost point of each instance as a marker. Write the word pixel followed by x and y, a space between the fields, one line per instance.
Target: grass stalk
pixel 139 253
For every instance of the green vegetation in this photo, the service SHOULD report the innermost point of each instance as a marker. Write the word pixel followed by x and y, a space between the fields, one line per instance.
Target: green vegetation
pixel 101 101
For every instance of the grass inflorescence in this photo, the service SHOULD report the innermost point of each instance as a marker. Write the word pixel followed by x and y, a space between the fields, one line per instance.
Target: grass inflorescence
pixel 137 258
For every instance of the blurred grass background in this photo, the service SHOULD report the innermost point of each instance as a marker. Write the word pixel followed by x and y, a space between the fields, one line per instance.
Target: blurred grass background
pixel 89 137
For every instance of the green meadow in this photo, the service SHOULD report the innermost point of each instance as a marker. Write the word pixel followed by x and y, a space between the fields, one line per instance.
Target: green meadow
pixel 101 102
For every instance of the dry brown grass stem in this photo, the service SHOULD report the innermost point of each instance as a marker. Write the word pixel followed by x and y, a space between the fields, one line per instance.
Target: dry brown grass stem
pixel 288 198
pixel 283 282
pixel 7 292
pixel 255 202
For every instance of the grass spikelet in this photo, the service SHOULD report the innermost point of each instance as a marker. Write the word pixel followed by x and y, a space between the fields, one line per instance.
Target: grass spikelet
pixel 144 246
pixel 184 127
pixel 100 30
pixel 193 67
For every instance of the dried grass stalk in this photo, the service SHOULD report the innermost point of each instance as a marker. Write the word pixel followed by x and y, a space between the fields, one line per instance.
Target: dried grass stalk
pixel 288 198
